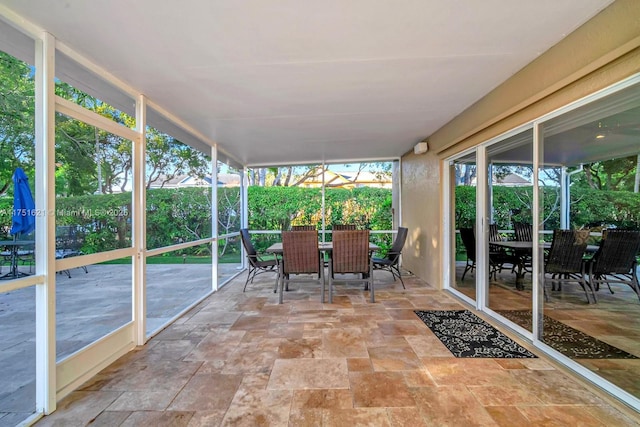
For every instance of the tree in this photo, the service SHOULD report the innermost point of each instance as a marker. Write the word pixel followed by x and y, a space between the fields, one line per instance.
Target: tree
pixel 168 158
pixel 614 175
pixel 17 126
pixel 465 173
pixel 296 176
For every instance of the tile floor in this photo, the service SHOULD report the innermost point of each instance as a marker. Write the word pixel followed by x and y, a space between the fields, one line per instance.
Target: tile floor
pixel 240 359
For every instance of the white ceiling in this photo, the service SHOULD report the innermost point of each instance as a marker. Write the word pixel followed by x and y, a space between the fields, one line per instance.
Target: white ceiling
pixel 292 81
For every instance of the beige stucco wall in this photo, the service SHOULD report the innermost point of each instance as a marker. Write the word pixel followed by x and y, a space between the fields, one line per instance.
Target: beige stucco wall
pixel 421 214
pixel 602 52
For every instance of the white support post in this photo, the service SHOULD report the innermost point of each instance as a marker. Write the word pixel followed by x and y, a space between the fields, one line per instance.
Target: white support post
pixel 322 208
pixel 537 263
pixel 244 203
pixel 139 232
pixel 490 193
pixel 564 198
pixel 45 225
pixel 482 227
pixel 214 218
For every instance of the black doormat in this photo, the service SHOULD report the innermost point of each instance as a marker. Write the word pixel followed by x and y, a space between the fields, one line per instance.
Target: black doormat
pixel 466 335
pixel 567 340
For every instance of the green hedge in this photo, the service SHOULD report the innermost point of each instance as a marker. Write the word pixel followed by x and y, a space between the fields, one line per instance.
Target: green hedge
pixel 182 215
pixel 589 207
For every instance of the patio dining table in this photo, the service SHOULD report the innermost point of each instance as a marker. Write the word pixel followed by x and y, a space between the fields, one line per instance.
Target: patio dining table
pixel 326 247
pixel 276 248
pixel 14 254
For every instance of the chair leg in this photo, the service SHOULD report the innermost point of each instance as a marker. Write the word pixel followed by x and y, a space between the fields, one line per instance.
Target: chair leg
pixel 466 268
pixel 399 276
pixel 634 282
pixel 322 284
pixel 330 282
pixel 248 277
pixel 281 281
pixel 372 290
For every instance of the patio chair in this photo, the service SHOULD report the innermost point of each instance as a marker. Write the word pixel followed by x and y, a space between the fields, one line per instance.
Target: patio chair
pixel 615 261
pixel 303 228
pixel 69 241
pixel 565 260
pixel 350 255
pixel 340 227
pixel 257 265
pixel 391 262
pixel 300 256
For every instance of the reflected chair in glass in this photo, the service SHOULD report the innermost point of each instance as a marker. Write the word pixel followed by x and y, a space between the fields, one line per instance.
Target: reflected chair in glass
pixel 565 262
pixel 498 255
pixel 257 264
pixel 350 255
pixel 391 261
pixel 468 236
pixel 301 257
pixel 524 233
pixel 615 261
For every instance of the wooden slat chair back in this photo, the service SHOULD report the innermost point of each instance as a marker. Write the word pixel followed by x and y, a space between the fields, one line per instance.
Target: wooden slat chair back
pixel 351 255
pixel 300 255
pixel 303 228
pixel 341 227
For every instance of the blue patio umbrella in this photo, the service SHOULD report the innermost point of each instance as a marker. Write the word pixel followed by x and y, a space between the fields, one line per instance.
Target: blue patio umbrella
pixel 24 220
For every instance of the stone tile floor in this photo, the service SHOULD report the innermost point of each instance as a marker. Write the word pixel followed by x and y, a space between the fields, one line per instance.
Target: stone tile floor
pixel 241 359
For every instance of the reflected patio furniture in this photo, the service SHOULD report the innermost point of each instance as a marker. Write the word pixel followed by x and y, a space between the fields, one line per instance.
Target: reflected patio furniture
pixel 523 233
pixel 391 261
pixel 468 236
pixel 340 227
pixel 300 256
pixel 351 255
pixel 303 228
pixel 257 265
pixel 615 261
pixel 565 262
pixel 499 255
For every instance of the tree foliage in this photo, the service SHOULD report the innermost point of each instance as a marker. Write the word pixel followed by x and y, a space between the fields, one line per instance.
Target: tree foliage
pixel 17 125
pixel 614 174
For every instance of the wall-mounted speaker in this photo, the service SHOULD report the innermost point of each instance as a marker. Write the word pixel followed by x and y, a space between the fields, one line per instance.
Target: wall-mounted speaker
pixel 421 147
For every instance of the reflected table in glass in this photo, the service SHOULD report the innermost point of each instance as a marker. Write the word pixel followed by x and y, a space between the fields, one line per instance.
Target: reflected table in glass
pixel 528 246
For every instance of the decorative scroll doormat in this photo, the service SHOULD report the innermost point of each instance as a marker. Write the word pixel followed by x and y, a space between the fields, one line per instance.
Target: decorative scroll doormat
pixel 466 335
pixel 567 340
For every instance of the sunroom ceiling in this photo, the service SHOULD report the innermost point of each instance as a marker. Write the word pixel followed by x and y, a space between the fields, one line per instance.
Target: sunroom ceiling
pixel 281 82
